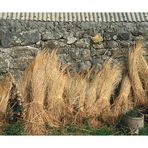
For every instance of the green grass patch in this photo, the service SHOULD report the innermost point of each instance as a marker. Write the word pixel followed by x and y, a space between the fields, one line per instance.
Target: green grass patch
pixel 82 130
pixel 14 129
pixel 133 113
pixel 18 129
pixel 144 130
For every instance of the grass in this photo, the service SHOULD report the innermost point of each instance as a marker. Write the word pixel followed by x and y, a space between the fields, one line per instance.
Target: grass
pixel 82 130
pixel 14 129
pixel 75 129
pixel 85 130
pixel 133 113
pixel 18 129
pixel 144 130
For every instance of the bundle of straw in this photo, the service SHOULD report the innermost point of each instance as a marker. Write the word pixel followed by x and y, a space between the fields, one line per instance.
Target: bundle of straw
pixel 143 71
pixel 35 114
pixel 142 67
pixel 5 90
pixel 121 104
pixel 15 105
pixel 55 80
pixel 42 87
pixel 74 95
pixel 69 97
pixel 81 96
pixel 91 93
pixel 24 84
pixel 133 58
pixel 109 78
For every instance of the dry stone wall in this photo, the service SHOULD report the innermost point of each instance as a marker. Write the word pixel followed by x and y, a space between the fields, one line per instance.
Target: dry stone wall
pixel 21 40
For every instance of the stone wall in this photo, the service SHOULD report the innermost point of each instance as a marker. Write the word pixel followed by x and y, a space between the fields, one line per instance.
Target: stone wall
pixel 73 40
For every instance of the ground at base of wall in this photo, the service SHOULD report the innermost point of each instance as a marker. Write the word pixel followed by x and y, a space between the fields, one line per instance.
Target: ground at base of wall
pixel 17 129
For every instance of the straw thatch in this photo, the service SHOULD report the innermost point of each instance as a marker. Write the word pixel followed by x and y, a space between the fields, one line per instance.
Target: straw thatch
pixel 91 93
pixel 24 83
pixel 109 78
pixel 34 114
pixel 74 96
pixel 57 98
pixel 143 68
pixel 42 87
pixel 5 90
pixel 122 103
pixel 55 80
pixel 139 92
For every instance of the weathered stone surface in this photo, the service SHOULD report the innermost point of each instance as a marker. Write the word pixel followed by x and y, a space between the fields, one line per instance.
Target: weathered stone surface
pixel 125 43
pixel 30 37
pixel 96 60
pixel 3 64
pixel 120 53
pixel 38 44
pixel 85 25
pixel 83 43
pixel 146 36
pixel 71 40
pixel 21 63
pixel 50 25
pixel 146 45
pixel 86 54
pixel 92 52
pixel 6 39
pixel 124 36
pixel 64 58
pixel 115 37
pixel 109 53
pixel 75 53
pixel 17 52
pixel 98 46
pixel 23 38
pixel 16 59
pixel 99 66
pixel 5 60
pixel 100 52
pixel 58 34
pixel 53 44
pixel 47 36
pixel 85 66
pixel 112 44
pixel 110 36
pixel 105 57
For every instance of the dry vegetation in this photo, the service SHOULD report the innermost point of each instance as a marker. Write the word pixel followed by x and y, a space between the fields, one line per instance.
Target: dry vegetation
pixel 133 58
pixel 5 89
pixel 108 79
pixel 122 103
pixel 52 95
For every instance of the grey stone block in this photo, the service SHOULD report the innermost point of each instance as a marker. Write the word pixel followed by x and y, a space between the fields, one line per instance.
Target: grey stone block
pixel 71 40
pixel 83 43
pixel 124 36
pixel 112 44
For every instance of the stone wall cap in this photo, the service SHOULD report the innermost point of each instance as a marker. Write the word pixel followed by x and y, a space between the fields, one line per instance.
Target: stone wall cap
pixel 76 16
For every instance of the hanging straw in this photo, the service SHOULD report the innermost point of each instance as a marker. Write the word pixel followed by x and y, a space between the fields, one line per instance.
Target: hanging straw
pixel 122 102
pixel 139 92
